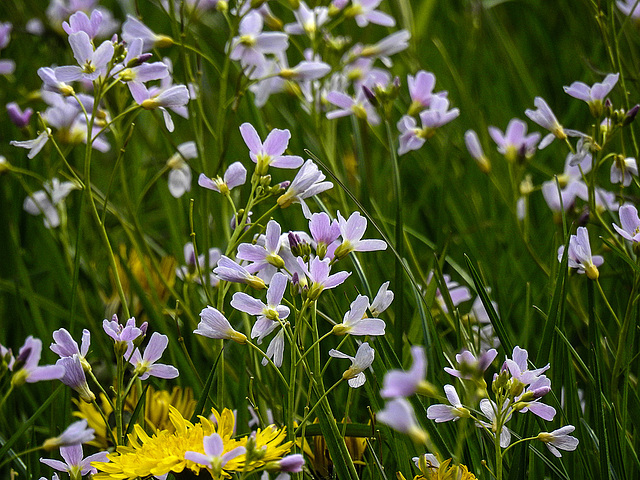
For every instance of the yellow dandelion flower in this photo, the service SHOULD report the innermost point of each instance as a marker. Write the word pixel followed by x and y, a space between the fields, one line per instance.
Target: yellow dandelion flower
pixel 164 451
pixel 431 469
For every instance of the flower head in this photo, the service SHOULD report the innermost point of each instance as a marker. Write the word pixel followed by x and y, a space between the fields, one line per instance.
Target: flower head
pixel 352 230
pixel 25 366
pixel 623 170
pixel 400 383
pixel 234 176
pixel 515 144
pixel 77 432
pixel 269 153
pixel 363 360
pixel 580 256
pixel 472 142
pixel 630 223
pixel 444 413
pixel 145 364
pixel 251 45
pixel 74 463
pixel 214 324
pixel 213 457
pixel 230 271
pixel 559 439
pixel 356 322
pixel 399 415
pixel 91 63
pixel 309 181
pixel 594 95
pixel 75 377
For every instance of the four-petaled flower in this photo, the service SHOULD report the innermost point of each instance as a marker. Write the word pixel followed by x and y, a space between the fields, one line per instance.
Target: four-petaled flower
pixel 213 457
pixel 145 364
pixel 515 144
pixel 444 413
pixel 364 358
pixel 630 223
pixel 595 95
pixel 559 439
pixel 356 322
pixel 269 153
pixel 580 256
pixel 214 324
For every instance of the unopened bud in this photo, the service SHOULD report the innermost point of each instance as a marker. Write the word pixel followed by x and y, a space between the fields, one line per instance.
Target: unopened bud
pixel 630 115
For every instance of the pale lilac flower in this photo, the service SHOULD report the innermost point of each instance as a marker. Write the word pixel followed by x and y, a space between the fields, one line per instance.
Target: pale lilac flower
pixel 46 201
pixel 515 144
pixel 444 413
pixel 134 28
pixel 291 463
pixel 489 409
pixel 382 300
pixel 230 271
pixel 571 184
pixel 629 8
pixel 213 458
pixel 544 116
pixel 355 374
pixel 7 67
pixel 307 21
pixel 305 70
pixel 309 181
pixel 213 324
pixel 560 439
pixel 606 200
pixel 5 34
pixel 263 257
pixel 74 463
pixel 252 44
pixel 145 364
pixel 25 366
pixel 472 142
pixel 65 346
pixel 135 69
pixel 34 146
pixel 269 153
pixel 630 223
pixel 425 462
pixel 123 334
pixel 458 293
pixel 234 176
pixel 51 83
pixel 75 377
pixel 528 400
pixel 17 116
pixel 352 231
pixel 623 170
pixel 400 383
pixel 438 114
pixel 394 43
pixel 77 432
pixel 275 350
pixel 34 26
pixel 355 321
pixel 173 97
pixel 92 64
pixel 180 174
pixel 470 367
pixel 271 314
pixel 325 232
pixel 519 368
pixel 399 415
pixel 358 106
pixel 580 256
pixel 318 276
pixel 80 22
pixel 364 12
pixel 595 95
pixel 421 91
pixel 189 271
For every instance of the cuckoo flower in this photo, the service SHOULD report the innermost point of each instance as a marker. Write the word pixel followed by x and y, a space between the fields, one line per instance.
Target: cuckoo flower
pixel 35 145
pixel 364 12
pixel 470 367
pixel 91 64
pixel 145 364
pixel 544 116
pixel 66 346
pixel 352 230
pixel 472 143
pixel 189 271
pixel 421 91
pixel 76 433
pixel 389 45
pixel 358 106
pixel 123 334
pixel 173 97
pixel 570 183
pixel 234 176
pixel 230 271
pixel 400 383
pixel 630 8
pixel 264 256
pixel 519 368
pixel 399 415
pixel 51 82
pixel 528 400
pixel 80 22
pixel 325 232
pixel 270 314
pixel 630 223
pixel 213 457
pixel 490 410
pixel 444 413
pixel 356 322
pixel 355 374
pixel 269 153
pixel 580 256
pixel 46 201
pixel 252 44
pixel 213 324
pixel 75 378
pixel 17 116
pixel 309 181
pixel 275 350
pixel 515 144
pixel 413 137
pixel 135 69
pixel 180 174
pixel 623 170
pixel 74 463
pixel 307 21
pixel 594 95
pixel 559 439
pixel 134 28
pixel 382 300
pixel 317 273
pixel 25 366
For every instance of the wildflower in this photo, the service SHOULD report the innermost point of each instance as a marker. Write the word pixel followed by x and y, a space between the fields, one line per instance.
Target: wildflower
pixel 230 271
pixel 490 410
pixel 271 314
pixel 34 146
pixel 519 368
pixel 213 458
pixel 355 321
pixel 264 256
pixel 252 44
pixel 123 334
pixel 394 43
pixel 145 364
pixel 305 70
pixel 134 67
pixel 399 415
pixel 25 366
pixel 75 378
pixel 580 254
pixel 471 367
pixel 307 21
pixel 382 300
pixel 472 142
pixel 528 400
pixel 352 231
pixel 189 273
pixel 234 176
pixel 92 64
pixel 175 96
pixel 544 116
pixel 134 28
pixel 318 275
pixel 51 82
pixel 595 95
pixel 46 201
pixel 213 324
pixel 5 34
pixel 421 91
pixel 66 346
pixel 180 174
pixel 438 114
pixel 324 232
pixel 630 8
pixel 74 463
pixel 358 106
pixel 570 182
pixel 364 12
pixel 309 181
pixel 80 22
pixel 559 439
pixel 623 170
pixel 164 451
pixel 271 151
pixel 77 432
pixel 290 463
pixel 630 223
pixel 355 374
pixel 444 413
pixel 457 293
pixel 275 350
pixel 17 116
pixel 515 144
pixel 398 383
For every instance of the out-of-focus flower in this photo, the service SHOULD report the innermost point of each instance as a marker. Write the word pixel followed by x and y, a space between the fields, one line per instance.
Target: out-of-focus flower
pixel 77 432
pixel 355 374
pixel 458 293
pixel 444 413
pixel 46 201
pixel 230 271
pixel 213 324
pixel 400 383
pixel 594 95
pixel 251 45
pixel 472 142
pixel 365 13
pixel 394 43
pixel 544 116
pixel 356 322
pixel 358 106
pixel 180 174
pixel 421 91
pixel 234 176
pixel 134 28
pixel 80 22
pixel 25 366
pixel 189 271
pixel 515 144
pixel 623 170
pixel 17 116
pixel 307 21
pixel 145 364
pixel 399 415
pixel 470 367
pixel 438 114
pixel 570 183
pixel 74 463
pixel 559 439
pixel 630 223
pixel 580 256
